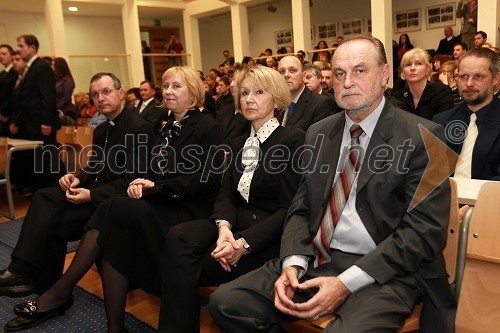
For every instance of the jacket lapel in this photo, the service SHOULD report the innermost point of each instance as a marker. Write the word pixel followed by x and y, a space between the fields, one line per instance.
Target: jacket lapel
pixel 381 135
pixel 300 107
pixel 331 158
pixel 489 133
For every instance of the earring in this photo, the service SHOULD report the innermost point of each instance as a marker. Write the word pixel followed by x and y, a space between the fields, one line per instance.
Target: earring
pixel 403 77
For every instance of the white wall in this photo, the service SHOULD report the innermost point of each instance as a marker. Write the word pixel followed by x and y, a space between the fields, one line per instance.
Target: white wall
pixel 215 36
pixel 12 25
pixel 425 38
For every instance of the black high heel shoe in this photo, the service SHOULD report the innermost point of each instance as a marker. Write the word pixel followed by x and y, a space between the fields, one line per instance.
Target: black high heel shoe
pixel 29 315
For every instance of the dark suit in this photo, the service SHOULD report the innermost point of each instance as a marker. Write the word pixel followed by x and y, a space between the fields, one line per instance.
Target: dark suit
pixel 407 261
pixel 233 125
pixel 153 113
pixel 327 94
pixel 51 220
pixel 446 46
pixel 187 264
pixel 132 231
pixel 310 108
pixel 486 153
pixel 35 104
pixel 7 82
pixel 436 98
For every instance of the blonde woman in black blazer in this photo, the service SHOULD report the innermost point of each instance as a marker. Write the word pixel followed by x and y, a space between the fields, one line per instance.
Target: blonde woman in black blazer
pixel 245 228
pixel 421 96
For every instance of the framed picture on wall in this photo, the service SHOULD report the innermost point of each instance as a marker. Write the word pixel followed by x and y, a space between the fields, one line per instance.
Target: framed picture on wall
pixel 368 25
pixel 327 31
pixel 283 38
pixel 440 15
pixel 353 26
pixel 408 20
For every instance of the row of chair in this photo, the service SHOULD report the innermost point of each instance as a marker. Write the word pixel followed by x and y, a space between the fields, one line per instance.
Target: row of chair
pixel 472 257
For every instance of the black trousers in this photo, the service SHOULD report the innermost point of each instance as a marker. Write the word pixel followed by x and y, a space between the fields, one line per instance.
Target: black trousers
pixel 187 265
pixel 247 304
pixel 51 221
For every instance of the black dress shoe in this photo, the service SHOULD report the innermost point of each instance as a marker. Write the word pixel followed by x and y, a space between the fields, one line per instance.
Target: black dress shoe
pixel 14 285
pixel 29 315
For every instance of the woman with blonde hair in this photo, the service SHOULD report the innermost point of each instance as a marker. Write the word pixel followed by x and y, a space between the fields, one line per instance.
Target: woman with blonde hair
pixel 421 96
pixel 126 234
pixel 245 228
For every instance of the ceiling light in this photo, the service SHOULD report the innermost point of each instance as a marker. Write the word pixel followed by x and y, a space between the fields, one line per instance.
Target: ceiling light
pixel 73 9
pixel 271 8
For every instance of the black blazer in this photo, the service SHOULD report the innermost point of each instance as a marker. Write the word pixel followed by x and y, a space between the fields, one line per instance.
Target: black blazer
pixel 436 98
pixel 153 113
pixel 486 153
pixel 194 165
pixel 35 104
pixel 233 125
pixel 445 46
pixel 131 134
pixel 409 242
pixel 7 82
pixel 310 108
pixel 260 221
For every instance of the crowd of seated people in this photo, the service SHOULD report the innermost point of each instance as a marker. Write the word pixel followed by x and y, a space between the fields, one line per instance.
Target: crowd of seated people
pixel 185 226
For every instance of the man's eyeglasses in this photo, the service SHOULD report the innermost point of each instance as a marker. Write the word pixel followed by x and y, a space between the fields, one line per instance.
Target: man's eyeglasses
pixel 104 92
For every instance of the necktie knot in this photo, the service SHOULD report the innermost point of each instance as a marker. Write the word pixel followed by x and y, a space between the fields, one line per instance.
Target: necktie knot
pixel 356 131
pixel 292 106
pixel 473 118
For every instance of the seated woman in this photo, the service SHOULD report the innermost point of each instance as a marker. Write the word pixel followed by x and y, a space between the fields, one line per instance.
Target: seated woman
pixel 129 231
pixel 421 96
pixel 246 227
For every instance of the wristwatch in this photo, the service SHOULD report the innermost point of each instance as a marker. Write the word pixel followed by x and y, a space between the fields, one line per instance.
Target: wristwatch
pixel 245 244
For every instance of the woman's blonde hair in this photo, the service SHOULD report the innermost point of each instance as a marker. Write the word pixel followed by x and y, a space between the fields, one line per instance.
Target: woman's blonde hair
pixel 193 81
pixel 416 53
pixel 268 79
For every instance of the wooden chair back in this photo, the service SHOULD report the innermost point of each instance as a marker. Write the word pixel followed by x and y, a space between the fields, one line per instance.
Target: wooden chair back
pixel 4 146
pixel 479 302
pixel 66 135
pixel 84 136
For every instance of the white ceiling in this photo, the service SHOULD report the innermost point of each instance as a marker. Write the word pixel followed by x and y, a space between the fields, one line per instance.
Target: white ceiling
pixel 88 9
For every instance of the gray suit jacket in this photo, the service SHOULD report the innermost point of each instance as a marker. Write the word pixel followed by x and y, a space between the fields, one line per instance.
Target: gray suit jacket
pixel 409 242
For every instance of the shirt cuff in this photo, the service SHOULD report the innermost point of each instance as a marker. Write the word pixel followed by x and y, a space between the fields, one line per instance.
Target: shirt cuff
pixel 296 260
pixel 219 221
pixel 355 278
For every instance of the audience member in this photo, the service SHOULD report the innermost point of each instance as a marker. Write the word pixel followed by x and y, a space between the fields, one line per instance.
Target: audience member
pixel 8 78
pixel 421 96
pixel 230 119
pixel 323 60
pixel 200 75
pixel 271 63
pixel 312 80
pixel 478 73
pixel 78 103
pixel 133 98
pixel 340 40
pixel 224 96
pixel 145 60
pixel 248 61
pixel 327 80
pixel 468 10
pixel 229 58
pixel 446 44
pixel 480 38
pixel 127 233
pixel 174 46
pixel 404 45
pixel 384 255
pixel 437 60
pixel 321 45
pixel 64 86
pixel 459 50
pixel 58 214
pixel 449 69
pixel 89 108
pixel 245 228
pixel 148 107
pixel 302 56
pixel 34 117
pixel 307 107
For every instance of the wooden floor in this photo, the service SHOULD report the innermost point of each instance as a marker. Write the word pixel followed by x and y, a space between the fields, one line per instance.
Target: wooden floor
pixel 142 305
